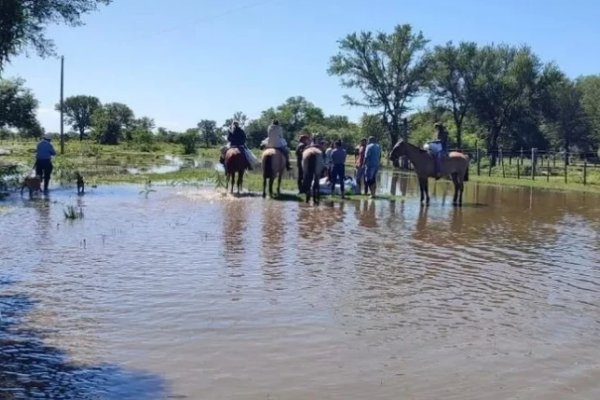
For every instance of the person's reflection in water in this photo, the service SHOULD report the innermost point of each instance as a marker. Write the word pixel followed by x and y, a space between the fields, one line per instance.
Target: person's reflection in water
pixel 234 230
pixel 44 221
pixel 273 238
pixel 394 184
pixel 421 226
pixel 366 215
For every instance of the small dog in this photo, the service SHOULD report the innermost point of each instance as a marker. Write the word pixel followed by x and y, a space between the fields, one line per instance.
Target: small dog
pixel 80 183
pixel 33 183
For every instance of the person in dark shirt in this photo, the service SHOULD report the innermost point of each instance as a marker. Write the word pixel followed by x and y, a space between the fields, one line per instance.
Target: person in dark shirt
pixel 237 138
pixel 441 137
pixel 303 143
pixel 338 166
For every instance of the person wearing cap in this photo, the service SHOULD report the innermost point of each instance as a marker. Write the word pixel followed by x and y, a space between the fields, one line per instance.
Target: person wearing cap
pixel 372 160
pixel 303 142
pixel 43 159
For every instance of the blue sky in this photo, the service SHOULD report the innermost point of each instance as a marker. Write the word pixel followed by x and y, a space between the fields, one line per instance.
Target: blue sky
pixel 180 61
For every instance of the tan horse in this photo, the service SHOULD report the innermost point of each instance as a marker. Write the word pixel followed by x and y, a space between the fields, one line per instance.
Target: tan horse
pixel 313 166
pixel 273 164
pixel 235 163
pixel 455 165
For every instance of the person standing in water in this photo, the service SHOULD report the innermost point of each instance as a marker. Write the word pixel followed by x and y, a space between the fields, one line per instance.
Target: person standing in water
pixel 359 162
pixel 303 143
pixel 372 160
pixel 43 159
pixel 338 166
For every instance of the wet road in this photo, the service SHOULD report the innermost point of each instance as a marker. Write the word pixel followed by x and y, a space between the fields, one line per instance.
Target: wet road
pixel 192 295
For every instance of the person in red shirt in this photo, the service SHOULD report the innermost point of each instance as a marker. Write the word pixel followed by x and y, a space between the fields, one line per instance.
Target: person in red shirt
pixel 359 162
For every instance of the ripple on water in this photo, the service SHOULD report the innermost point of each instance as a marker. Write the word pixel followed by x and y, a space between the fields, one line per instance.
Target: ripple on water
pixel 191 292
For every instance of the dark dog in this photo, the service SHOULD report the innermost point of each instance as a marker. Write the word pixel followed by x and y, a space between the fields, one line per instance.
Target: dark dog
pixel 33 183
pixel 80 183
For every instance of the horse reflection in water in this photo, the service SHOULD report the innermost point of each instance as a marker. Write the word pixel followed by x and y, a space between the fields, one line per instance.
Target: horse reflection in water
pixel 273 240
pixel 235 216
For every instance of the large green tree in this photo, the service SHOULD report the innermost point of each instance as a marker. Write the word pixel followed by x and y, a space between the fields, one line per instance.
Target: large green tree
pixel 505 90
pixel 78 111
pixel 209 132
pixel 23 23
pixel 17 105
pixel 238 116
pixel 590 101
pixel 455 69
pixel 388 70
pixel 111 121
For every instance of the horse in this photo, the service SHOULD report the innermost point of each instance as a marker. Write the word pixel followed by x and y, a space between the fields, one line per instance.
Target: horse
pixel 235 162
pixel 313 166
pixel 273 164
pixel 455 164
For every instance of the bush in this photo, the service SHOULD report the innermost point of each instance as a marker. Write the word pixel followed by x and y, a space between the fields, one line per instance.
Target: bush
pixel 189 140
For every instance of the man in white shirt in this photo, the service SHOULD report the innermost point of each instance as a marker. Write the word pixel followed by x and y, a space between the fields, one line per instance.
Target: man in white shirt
pixel 275 140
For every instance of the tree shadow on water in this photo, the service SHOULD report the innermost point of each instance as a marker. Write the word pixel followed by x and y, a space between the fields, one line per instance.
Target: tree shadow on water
pixel 30 369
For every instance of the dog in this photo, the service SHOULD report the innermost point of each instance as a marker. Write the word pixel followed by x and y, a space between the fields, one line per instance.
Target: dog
pixel 80 183
pixel 33 183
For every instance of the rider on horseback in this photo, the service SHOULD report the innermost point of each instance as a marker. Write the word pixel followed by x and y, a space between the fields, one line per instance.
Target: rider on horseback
pixel 275 140
pixel 236 138
pixel 441 140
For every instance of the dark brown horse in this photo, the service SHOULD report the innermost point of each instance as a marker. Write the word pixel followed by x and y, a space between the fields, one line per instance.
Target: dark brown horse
pixel 454 164
pixel 235 162
pixel 313 166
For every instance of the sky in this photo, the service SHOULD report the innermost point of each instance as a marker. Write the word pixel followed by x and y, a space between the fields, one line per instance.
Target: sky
pixel 181 61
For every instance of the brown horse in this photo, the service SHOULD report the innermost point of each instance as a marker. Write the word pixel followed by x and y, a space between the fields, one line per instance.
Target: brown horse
pixel 235 162
pixel 273 164
pixel 455 165
pixel 313 166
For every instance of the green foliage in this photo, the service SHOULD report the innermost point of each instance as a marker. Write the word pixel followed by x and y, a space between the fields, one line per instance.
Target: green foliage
pixel 208 132
pixel 190 140
pixel 23 23
pixel 111 121
pixel 389 70
pixel 17 104
pixel 238 116
pixel 78 111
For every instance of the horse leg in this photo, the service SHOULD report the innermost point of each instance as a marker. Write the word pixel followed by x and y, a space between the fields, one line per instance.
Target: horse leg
pixel 461 189
pixel 271 181
pixel 456 188
pixel 426 186
pixel 279 184
pixel 240 181
pixel 315 189
pixel 422 190
pixel 264 186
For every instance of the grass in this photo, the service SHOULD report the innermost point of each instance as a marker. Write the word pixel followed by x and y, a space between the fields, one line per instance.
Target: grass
pixel 103 164
pixel 72 213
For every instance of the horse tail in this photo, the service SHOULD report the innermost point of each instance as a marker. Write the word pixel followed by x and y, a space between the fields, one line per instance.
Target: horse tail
pixel 268 166
pixel 312 167
pixel 466 177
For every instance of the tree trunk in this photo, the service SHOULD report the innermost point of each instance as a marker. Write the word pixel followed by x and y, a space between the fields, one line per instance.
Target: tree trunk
pixel 459 136
pixel 393 141
pixel 492 146
pixel 81 133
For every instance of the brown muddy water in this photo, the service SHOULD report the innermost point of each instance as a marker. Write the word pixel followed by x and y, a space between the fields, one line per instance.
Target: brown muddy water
pixel 187 294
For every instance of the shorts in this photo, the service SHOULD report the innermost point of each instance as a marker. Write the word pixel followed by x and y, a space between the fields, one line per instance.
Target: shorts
pixel 371 174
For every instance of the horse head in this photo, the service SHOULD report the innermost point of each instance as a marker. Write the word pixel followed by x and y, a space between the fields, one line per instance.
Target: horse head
pixel 398 150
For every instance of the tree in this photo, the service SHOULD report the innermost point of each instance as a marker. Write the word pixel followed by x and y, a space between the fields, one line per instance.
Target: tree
pixel 32 131
pixel 455 69
pixel 23 23
pixel 505 90
pixel 208 129
pixel 295 114
pixel 110 121
pixel 239 117
pixel 17 104
pixel 564 116
pixel 590 102
pixel 389 70
pixel 78 111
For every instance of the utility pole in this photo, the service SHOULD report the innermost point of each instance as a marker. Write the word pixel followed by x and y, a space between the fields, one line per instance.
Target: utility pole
pixel 62 122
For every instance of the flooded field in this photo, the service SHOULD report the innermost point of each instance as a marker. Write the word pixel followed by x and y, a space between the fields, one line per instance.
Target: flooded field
pixel 191 295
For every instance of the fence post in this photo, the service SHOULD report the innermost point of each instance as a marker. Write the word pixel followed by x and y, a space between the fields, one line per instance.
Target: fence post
pixel 533 154
pixel 548 170
pixel 518 169
pixel 502 163
pixel 585 172
pixel 478 162
pixel 566 162
pixel 521 157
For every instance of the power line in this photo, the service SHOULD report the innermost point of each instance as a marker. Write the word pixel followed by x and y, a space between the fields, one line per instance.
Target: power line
pixel 210 18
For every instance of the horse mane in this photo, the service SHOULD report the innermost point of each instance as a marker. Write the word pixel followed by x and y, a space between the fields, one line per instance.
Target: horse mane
pixel 415 147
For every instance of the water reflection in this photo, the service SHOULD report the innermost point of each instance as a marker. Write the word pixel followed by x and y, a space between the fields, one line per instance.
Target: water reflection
pixel 273 240
pixel 235 219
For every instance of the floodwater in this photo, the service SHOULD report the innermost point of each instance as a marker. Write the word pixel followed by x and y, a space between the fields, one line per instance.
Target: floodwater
pixel 189 294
